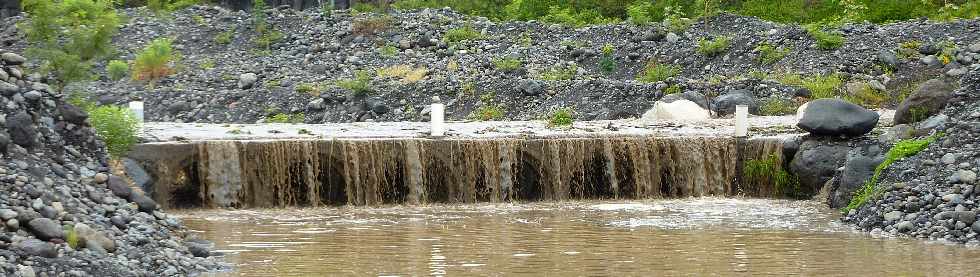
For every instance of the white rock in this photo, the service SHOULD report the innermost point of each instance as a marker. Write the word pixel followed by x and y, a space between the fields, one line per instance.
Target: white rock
pixel 800 111
pixel 677 110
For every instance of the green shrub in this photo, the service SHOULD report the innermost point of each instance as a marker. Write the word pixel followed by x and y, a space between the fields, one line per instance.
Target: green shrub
pixel 224 38
pixel 287 118
pixel 68 36
pixel 657 72
pixel 508 64
pixel 116 126
pixel 825 40
pixel 488 112
pixel 117 70
pixel 388 51
pixel 639 12
pixel 901 150
pixel 359 85
pixel 71 237
pixel 867 97
pixel 206 64
pixel 909 50
pixel 675 88
pixel 560 73
pixel 769 54
pixel 308 88
pixel 715 47
pixel 154 62
pixel 820 86
pixel 464 33
pixel 607 64
pixel 165 6
pixel 675 21
pixel 768 172
pixel 575 18
pixel 777 106
pixel 562 117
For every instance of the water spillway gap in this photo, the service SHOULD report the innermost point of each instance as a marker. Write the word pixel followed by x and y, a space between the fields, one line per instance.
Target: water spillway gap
pixel 279 173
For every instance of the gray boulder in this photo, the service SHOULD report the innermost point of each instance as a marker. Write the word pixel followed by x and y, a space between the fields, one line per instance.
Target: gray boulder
pixel 34 247
pixel 199 247
pixel 8 89
pixel 4 141
pixel 725 104
pixel 928 100
pixel 21 128
pixel 858 168
pixel 247 80
pixel 94 240
pixel 888 58
pixel 531 87
pixel 72 114
pixel 12 59
pixel 835 117
pixel 816 162
pixel 46 229
pixel 144 203
pixel 119 187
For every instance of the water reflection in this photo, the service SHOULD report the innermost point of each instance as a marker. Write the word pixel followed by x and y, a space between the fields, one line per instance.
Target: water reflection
pixel 657 237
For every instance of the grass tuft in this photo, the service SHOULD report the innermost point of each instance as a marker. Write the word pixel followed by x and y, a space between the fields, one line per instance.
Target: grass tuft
pixel 901 150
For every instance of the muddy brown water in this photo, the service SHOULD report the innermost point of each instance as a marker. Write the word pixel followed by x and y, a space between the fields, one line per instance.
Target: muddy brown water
pixel 697 236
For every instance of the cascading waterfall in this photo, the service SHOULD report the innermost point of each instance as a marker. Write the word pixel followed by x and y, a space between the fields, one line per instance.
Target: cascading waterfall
pixel 418 171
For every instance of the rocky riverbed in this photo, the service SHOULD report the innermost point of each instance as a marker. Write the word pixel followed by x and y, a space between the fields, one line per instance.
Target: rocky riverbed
pixel 62 210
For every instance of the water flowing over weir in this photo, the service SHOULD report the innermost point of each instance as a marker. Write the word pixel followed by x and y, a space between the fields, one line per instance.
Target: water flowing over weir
pixel 312 172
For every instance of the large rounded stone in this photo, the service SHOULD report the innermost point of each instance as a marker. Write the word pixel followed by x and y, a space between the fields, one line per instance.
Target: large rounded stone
pixel 816 162
pixel 12 58
pixel 927 101
pixel 119 187
pixel 695 97
pixel 858 168
pixel 72 114
pixel 677 110
pixel 33 247
pixel 835 117
pixel 21 128
pixel 726 103
pixel 46 229
pixel 144 203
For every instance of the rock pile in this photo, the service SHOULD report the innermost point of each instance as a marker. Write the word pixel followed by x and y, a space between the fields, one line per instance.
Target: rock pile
pixel 62 212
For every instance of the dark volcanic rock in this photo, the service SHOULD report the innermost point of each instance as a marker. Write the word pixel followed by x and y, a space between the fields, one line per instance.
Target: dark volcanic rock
pixel 34 247
pixel 72 114
pixel 725 104
pixel 858 168
pixel 21 128
pixel 928 100
pixel 46 229
pixel 145 204
pixel 119 187
pixel 835 117
pixel 816 162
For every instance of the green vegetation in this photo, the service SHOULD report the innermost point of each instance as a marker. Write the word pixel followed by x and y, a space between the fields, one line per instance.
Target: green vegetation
pixel 265 35
pixel 825 40
pixel 560 73
pixel 713 47
pixel 948 52
pixel 562 117
pixel 607 64
pixel 675 88
pixel 820 86
pixel 901 150
pixel 866 96
pixel 360 85
pixel 166 6
pixel 768 172
pixel 777 106
pixel 406 73
pixel 286 118
pixel 508 64
pixel 224 38
pixel 116 70
pixel 489 111
pixel 388 51
pixel 71 237
pixel 909 50
pixel 770 54
pixel 117 126
pixel 657 72
pixel 308 88
pixel 675 14
pixel 154 62
pixel 464 33
pixel 68 36
pixel 206 64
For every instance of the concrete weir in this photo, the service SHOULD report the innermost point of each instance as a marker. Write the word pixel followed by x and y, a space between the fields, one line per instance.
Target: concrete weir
pixel 353 164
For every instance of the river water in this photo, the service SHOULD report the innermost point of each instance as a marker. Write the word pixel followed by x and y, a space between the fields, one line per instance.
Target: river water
pixel 705 236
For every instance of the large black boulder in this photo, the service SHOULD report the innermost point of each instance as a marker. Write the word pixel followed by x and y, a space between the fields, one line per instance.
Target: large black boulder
pixel 927 101
pixel 695 97
pixel 835 117
pixel 816 162
pixel 858 169
pixel 725 103
pixel 21 128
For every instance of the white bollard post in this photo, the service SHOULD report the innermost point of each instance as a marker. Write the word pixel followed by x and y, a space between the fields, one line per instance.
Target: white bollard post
pixel 438 114
pixel 741 121
pixel 137 108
